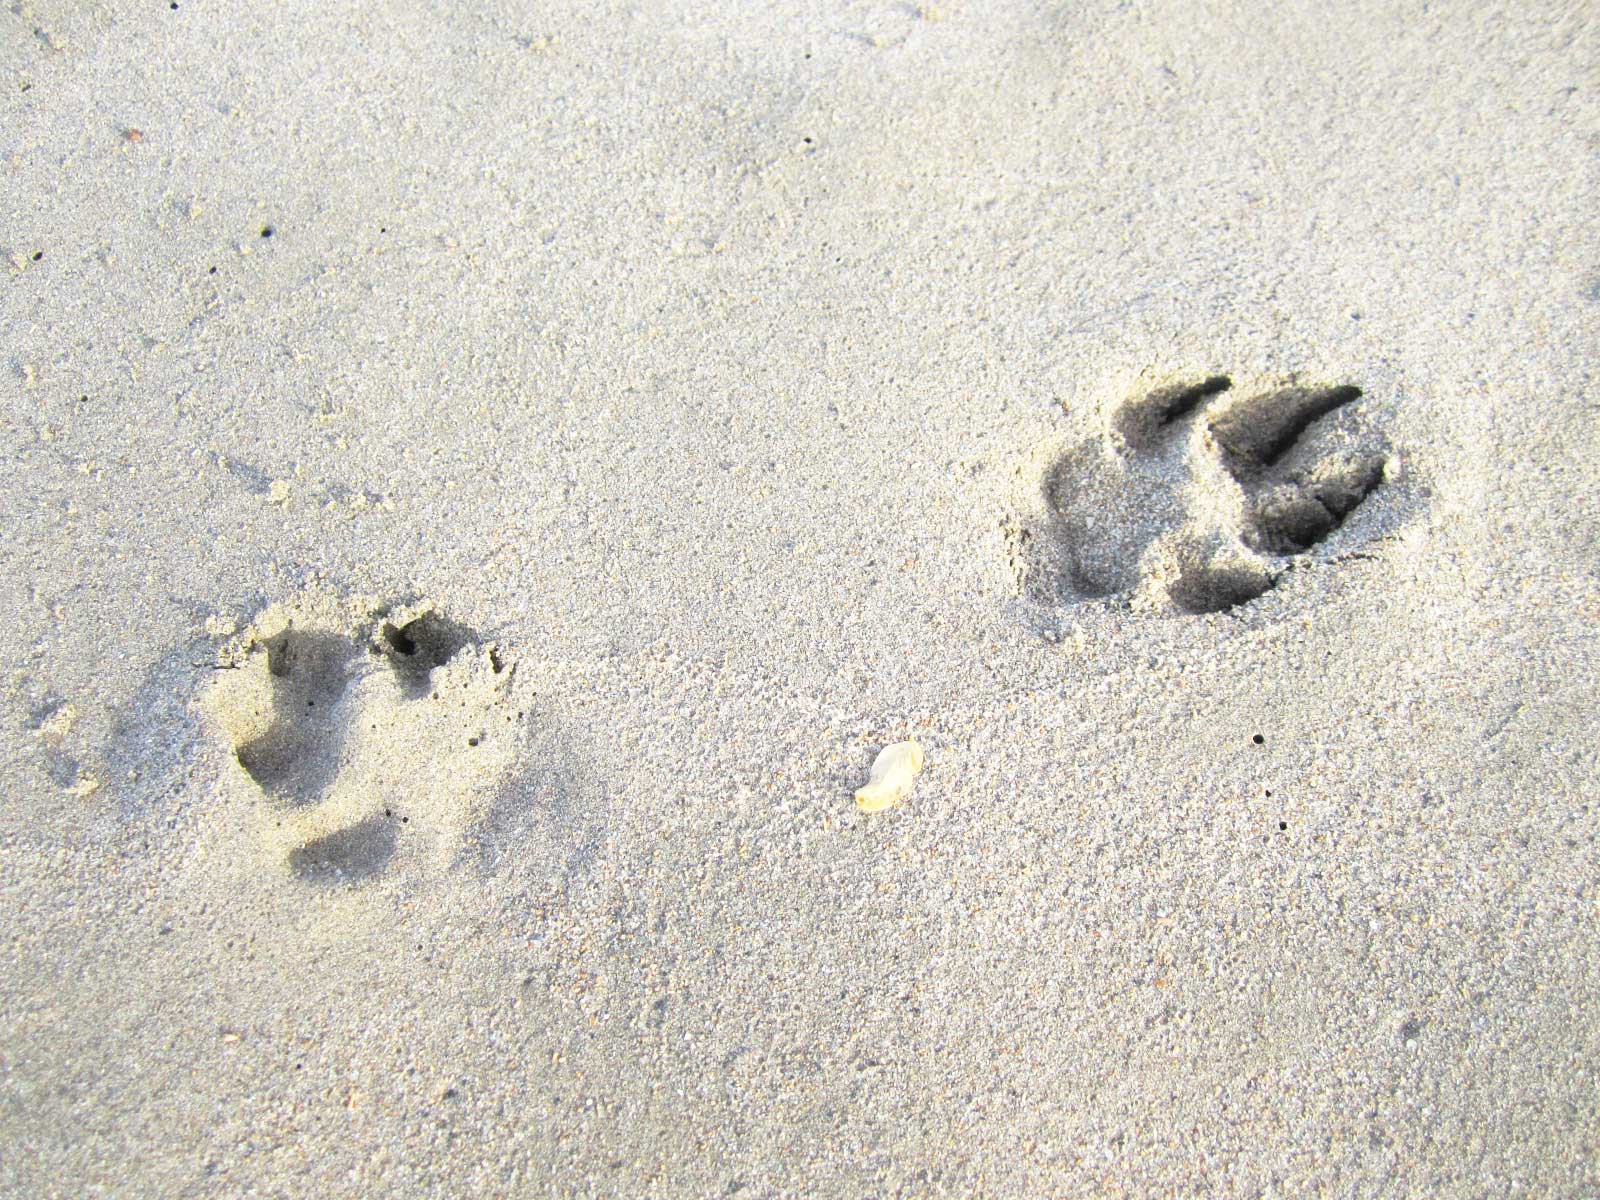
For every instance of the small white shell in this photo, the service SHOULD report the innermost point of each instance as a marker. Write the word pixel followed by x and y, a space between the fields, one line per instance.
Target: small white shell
pixel 890 781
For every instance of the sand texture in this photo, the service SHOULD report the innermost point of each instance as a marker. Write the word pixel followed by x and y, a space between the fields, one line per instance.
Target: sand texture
pixel 484 481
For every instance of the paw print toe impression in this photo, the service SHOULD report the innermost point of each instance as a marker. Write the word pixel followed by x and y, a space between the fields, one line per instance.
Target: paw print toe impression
pixel 1197 497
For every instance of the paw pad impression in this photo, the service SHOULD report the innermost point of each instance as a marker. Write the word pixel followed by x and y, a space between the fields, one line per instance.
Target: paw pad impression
pixel 370 735
pixel 1196 498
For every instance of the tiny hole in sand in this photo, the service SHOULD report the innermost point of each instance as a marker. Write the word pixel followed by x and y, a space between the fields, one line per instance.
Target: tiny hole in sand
pixel 472 741
pixel 212 271
pixel 1258 739
pixel 266 231
pixel 37 255
pixel 1282 825
pixel 400 640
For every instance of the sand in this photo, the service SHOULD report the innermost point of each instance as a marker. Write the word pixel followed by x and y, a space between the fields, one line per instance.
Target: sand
pixel 730 392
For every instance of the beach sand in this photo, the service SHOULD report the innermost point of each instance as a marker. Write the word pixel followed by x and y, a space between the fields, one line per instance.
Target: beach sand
pixel 485 481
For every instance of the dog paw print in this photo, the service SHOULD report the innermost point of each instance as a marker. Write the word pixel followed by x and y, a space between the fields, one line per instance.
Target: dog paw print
pixel 365 737
pixel 1198 498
